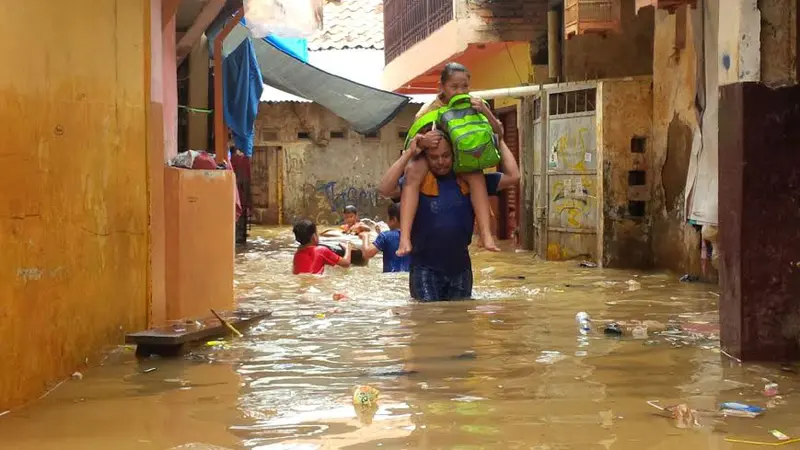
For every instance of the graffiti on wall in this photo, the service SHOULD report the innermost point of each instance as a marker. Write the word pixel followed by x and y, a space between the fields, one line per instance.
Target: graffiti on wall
pixel 573 203
pixel 572 144
pixel 295 162
pixel 324 201
pixel 340 195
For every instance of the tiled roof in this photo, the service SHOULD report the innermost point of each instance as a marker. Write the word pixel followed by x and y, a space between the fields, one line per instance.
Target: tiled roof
pixel 349 24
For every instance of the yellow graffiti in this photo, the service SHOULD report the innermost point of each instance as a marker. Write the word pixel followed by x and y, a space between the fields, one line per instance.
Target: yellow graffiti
pixel 574 143
pixel 572 202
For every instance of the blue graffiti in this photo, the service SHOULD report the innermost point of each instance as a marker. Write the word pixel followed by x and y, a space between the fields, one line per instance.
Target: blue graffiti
pixel 338 198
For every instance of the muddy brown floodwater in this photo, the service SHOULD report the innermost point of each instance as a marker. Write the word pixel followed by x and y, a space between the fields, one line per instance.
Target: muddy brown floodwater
pixel 508 370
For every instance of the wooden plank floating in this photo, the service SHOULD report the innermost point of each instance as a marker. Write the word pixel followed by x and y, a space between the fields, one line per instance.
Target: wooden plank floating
pixel 172 340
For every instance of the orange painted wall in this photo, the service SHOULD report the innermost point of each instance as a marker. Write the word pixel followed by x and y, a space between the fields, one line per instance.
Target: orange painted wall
pixel 200 245
pixel 73 185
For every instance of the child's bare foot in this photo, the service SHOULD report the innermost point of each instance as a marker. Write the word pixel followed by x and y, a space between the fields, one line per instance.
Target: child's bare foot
pixel 404 248
pixel 488 244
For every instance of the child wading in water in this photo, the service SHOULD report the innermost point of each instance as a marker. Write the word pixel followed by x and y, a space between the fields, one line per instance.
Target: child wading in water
pixel 454 81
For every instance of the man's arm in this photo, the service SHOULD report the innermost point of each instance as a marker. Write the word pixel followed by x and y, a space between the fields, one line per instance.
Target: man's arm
pixel 509 168
pixel 389 186
pixel 344 261
pixel 368 249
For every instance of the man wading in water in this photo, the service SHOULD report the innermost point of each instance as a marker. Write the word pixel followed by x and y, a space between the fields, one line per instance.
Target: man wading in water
pixel 441 269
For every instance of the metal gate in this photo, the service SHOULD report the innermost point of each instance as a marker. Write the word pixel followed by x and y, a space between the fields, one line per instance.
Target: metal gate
pixel 567 205
pixel 537 170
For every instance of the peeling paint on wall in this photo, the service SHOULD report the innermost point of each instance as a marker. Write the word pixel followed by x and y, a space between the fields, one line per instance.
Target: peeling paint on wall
pixel 739 42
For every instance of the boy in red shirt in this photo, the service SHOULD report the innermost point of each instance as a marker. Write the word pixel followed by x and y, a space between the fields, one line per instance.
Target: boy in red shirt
pixel 312 257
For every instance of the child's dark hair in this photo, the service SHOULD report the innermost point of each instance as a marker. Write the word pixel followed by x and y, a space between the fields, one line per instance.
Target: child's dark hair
pixel 350 209
pixel 451 69
pixel 393 211
pixel 304 230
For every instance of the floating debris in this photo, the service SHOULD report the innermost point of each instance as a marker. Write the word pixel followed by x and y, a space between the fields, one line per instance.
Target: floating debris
pixel 365 395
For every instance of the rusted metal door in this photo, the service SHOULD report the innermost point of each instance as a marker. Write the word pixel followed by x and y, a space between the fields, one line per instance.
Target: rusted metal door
pixel 509 198
pixel 572 209
pixel 267 185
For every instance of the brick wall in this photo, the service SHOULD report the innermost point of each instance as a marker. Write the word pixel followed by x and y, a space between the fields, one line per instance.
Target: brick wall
pixel 507 20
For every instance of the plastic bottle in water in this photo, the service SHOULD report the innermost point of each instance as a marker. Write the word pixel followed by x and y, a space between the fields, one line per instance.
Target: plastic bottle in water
pixel 584 322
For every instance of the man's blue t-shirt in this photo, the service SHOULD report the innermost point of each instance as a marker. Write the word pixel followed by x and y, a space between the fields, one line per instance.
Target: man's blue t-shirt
pixel 388 242
pixel 443 227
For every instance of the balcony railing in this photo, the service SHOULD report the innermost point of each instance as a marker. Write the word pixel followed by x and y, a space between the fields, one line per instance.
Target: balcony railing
pixel 406 22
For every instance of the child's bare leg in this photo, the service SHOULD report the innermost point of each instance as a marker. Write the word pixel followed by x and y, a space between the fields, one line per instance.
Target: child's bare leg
pixel 480 203
pixel 409 200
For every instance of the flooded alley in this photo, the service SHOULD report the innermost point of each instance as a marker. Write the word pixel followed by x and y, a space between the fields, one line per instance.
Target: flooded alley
pixel 507 370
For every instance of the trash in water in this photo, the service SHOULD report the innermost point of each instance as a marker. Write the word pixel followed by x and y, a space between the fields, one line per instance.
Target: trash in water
pixel 339 297
pixel 320 316
pixel 684 416
pixel 550 357
pixel 584 322
pixel 588 264
pixel 77 376
pixel 779 436
pixel 633 285
pixel 365 395
pixel 689 278
pixel 770 389
pixel 776 401
pixel 613 329
pixel 734 409
pixel 639 332
pixel 151 369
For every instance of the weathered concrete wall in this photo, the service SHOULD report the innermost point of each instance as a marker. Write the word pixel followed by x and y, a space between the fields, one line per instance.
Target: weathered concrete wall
pixel 323 173
pixel 74 213
pixel 624 114
pixel 778 42
pixel 676 244
pixel 504 20
pixel 629 53
pixel 739 43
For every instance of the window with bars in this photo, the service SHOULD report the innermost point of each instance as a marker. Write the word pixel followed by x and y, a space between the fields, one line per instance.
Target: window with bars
pixel 406 22
pixel 571 102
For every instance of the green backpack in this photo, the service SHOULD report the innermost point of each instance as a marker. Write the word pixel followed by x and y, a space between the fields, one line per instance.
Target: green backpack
pixel 471 135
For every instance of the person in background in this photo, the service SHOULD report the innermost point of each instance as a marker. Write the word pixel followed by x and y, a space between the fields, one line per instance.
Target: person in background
pixel 352 223
pixel 312 257
pixel 387 243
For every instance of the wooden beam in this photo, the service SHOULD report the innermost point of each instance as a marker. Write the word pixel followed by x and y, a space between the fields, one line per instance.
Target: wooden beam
pixel 168 9
pixel 220 136
pixel 201 23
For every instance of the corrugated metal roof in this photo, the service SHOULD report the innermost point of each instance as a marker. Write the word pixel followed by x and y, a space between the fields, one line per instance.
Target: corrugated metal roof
pixel 272 95
pixel 366 108
pixel 350 24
